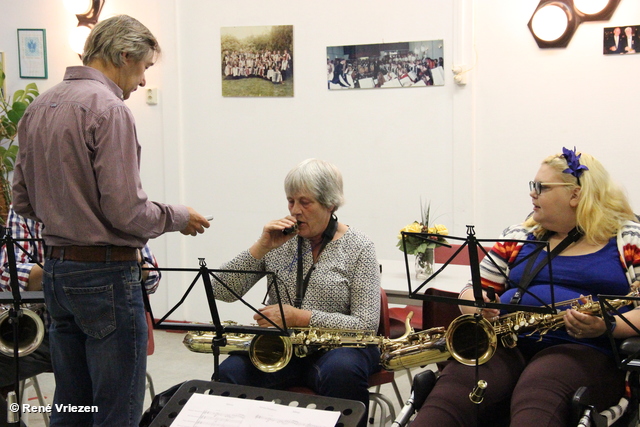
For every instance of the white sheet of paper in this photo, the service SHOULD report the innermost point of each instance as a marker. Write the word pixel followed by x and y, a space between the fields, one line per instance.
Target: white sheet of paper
pixel 222 411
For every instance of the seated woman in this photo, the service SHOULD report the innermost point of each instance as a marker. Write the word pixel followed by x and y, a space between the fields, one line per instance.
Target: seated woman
pixel 533 383
pixel 339 287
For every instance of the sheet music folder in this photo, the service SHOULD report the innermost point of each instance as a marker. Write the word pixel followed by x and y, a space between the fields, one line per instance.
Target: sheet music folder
pixel 351 411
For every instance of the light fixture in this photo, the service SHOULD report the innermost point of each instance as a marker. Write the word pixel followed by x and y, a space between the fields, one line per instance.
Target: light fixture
pixel 78 37
pixel 595 10
pixel 554 22
pixel 87 12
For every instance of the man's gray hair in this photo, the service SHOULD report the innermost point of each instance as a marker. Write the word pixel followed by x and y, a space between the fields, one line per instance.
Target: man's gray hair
pixel 322 179
pixel 119 34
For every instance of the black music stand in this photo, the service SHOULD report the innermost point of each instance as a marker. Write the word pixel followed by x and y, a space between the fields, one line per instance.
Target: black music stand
pixel 351 411
pixel 216 324
pixel 472 244
pixel 16 299
pixel 632 361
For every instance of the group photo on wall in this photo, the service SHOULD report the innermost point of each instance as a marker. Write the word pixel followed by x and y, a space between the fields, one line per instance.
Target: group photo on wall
pixel 388 65
pixel 257 61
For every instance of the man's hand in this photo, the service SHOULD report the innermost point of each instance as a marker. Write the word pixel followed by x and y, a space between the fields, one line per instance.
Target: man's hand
pixel 197 224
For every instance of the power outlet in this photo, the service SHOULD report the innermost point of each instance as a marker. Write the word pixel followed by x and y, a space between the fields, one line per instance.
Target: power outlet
pixel 152 96
pixel 460 75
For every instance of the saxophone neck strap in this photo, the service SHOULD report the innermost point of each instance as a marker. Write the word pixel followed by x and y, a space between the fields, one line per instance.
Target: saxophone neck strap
pixel 302 283
pixel 528 274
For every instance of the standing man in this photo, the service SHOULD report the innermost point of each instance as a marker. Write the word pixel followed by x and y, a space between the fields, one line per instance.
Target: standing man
pixel 78 173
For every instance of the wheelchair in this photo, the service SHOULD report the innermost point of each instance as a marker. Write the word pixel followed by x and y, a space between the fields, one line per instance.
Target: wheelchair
pixel 583 412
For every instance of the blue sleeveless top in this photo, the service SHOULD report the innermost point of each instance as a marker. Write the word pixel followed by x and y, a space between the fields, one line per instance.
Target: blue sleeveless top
pixel 598 273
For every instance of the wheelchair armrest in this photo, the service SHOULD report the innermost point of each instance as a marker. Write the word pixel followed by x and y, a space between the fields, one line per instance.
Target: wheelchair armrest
pixel 583 413
pixel 630 346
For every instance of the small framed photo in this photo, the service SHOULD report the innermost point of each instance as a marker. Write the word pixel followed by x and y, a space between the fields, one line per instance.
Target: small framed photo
pixel 32 53
pixel 622 40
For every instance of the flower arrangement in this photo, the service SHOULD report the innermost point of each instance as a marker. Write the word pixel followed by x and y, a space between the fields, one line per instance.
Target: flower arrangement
pixel 416 245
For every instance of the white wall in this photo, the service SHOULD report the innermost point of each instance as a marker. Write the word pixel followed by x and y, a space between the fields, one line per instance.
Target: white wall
pixel 469 149
pixel 530 102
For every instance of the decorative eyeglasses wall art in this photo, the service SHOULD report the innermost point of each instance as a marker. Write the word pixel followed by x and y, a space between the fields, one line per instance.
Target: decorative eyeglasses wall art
pixel 387 65
pixel 257 61
pixel 621 40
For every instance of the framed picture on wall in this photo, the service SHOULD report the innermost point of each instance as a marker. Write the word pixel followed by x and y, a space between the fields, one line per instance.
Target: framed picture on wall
pixel 32 53
pixel 257 61
pixel 622 40
pixel 386 65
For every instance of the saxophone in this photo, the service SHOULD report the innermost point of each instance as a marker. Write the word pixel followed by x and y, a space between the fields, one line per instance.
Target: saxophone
pixel 270 353
pixel 31 330
pixel 471 340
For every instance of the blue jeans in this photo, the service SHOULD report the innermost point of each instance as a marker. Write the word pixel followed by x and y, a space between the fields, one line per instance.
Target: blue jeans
pixel 98 338
pixel 342 372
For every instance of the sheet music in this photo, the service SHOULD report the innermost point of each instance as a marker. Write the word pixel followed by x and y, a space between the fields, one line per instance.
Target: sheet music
pixel 221 411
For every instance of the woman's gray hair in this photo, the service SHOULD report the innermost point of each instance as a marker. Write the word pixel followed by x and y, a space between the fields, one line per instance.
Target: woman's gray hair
pixel 119 34
pixel 322 179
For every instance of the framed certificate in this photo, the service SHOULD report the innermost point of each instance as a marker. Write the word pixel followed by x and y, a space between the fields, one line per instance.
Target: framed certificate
pixel 32 53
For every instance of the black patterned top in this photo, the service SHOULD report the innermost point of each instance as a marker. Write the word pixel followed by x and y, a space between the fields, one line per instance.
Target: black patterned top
pixel 343 290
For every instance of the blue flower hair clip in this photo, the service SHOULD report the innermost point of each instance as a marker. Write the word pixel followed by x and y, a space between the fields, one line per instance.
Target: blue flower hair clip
pixel 573 161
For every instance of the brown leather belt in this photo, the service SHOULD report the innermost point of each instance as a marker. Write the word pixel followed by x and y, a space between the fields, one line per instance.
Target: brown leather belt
pixel 93 253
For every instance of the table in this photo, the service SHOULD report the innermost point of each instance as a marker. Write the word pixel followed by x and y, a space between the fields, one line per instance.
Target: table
pixel 394 280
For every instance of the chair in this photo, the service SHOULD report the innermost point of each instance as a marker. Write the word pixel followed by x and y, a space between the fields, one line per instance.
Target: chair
pixel 377 379
pixel 398 315
pixel 33 382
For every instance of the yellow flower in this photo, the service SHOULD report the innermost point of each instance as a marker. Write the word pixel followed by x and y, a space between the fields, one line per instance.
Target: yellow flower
pixel 439 229
pixel 416 227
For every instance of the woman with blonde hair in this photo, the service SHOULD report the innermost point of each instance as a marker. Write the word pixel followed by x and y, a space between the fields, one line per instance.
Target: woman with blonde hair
pixel 595 249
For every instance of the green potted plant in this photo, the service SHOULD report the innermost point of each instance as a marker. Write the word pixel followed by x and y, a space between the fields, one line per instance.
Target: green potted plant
pixel 11 111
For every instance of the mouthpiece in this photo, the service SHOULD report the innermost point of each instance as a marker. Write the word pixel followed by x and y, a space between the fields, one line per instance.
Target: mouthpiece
pixel 290 230
pixel 477 395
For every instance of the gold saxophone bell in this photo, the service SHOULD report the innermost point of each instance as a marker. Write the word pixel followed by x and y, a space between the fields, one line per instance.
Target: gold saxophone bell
pixel 31 331
pixel 270 353
pixel 471 340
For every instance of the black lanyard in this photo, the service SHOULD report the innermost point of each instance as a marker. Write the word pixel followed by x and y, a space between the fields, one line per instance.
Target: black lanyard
pixel 301 284
pixel 528 275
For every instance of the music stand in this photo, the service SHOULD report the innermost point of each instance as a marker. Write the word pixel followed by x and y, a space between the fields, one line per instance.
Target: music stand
pixel 216 324
pixel 351 411
pixel 631 362
pixel 472 244
pixel 16 299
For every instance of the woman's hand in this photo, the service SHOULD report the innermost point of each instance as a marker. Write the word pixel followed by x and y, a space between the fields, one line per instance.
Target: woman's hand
pixel 272 236
pixel 491 314
pixel 581 325
pixel 293 316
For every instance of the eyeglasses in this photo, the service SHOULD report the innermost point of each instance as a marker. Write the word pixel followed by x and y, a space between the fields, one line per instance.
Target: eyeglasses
pixel 538 186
